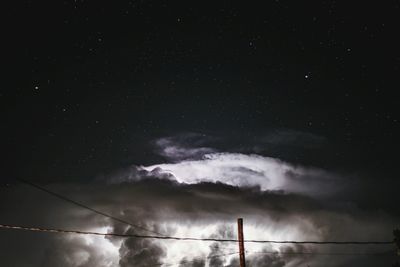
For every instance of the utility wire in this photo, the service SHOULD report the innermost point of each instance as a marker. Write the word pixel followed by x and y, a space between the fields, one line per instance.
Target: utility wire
pixel 37 229
pixel 85 206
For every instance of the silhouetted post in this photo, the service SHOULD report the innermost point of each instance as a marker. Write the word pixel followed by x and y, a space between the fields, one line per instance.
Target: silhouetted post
pixel 241 243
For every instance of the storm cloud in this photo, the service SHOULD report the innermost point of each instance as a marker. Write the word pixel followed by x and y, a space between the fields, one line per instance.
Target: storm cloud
pixel 200 196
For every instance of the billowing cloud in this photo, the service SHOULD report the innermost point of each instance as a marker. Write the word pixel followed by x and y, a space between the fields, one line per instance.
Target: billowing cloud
pixel 249 170
pixel 198 197
pixel 83 251
pixel 183 147
pixel 136 252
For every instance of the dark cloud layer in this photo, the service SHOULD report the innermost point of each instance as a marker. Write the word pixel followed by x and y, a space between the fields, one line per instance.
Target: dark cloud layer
pixel 162 204
pixel 201 192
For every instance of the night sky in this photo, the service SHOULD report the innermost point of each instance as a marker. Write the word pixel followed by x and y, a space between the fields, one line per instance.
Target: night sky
pixel 173 107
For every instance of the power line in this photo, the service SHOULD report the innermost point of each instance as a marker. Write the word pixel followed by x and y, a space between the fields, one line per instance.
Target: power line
pixel 38 229
pixel 86 207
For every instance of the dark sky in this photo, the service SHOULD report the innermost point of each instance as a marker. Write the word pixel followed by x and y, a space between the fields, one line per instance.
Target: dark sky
pixel 94 85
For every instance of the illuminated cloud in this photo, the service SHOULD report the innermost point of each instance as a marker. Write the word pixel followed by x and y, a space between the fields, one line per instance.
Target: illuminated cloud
pixel 200 196
pixel 183 147
pixel 249 171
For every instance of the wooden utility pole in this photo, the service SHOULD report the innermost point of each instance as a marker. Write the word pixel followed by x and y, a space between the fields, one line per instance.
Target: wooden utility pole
pixel 241 243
